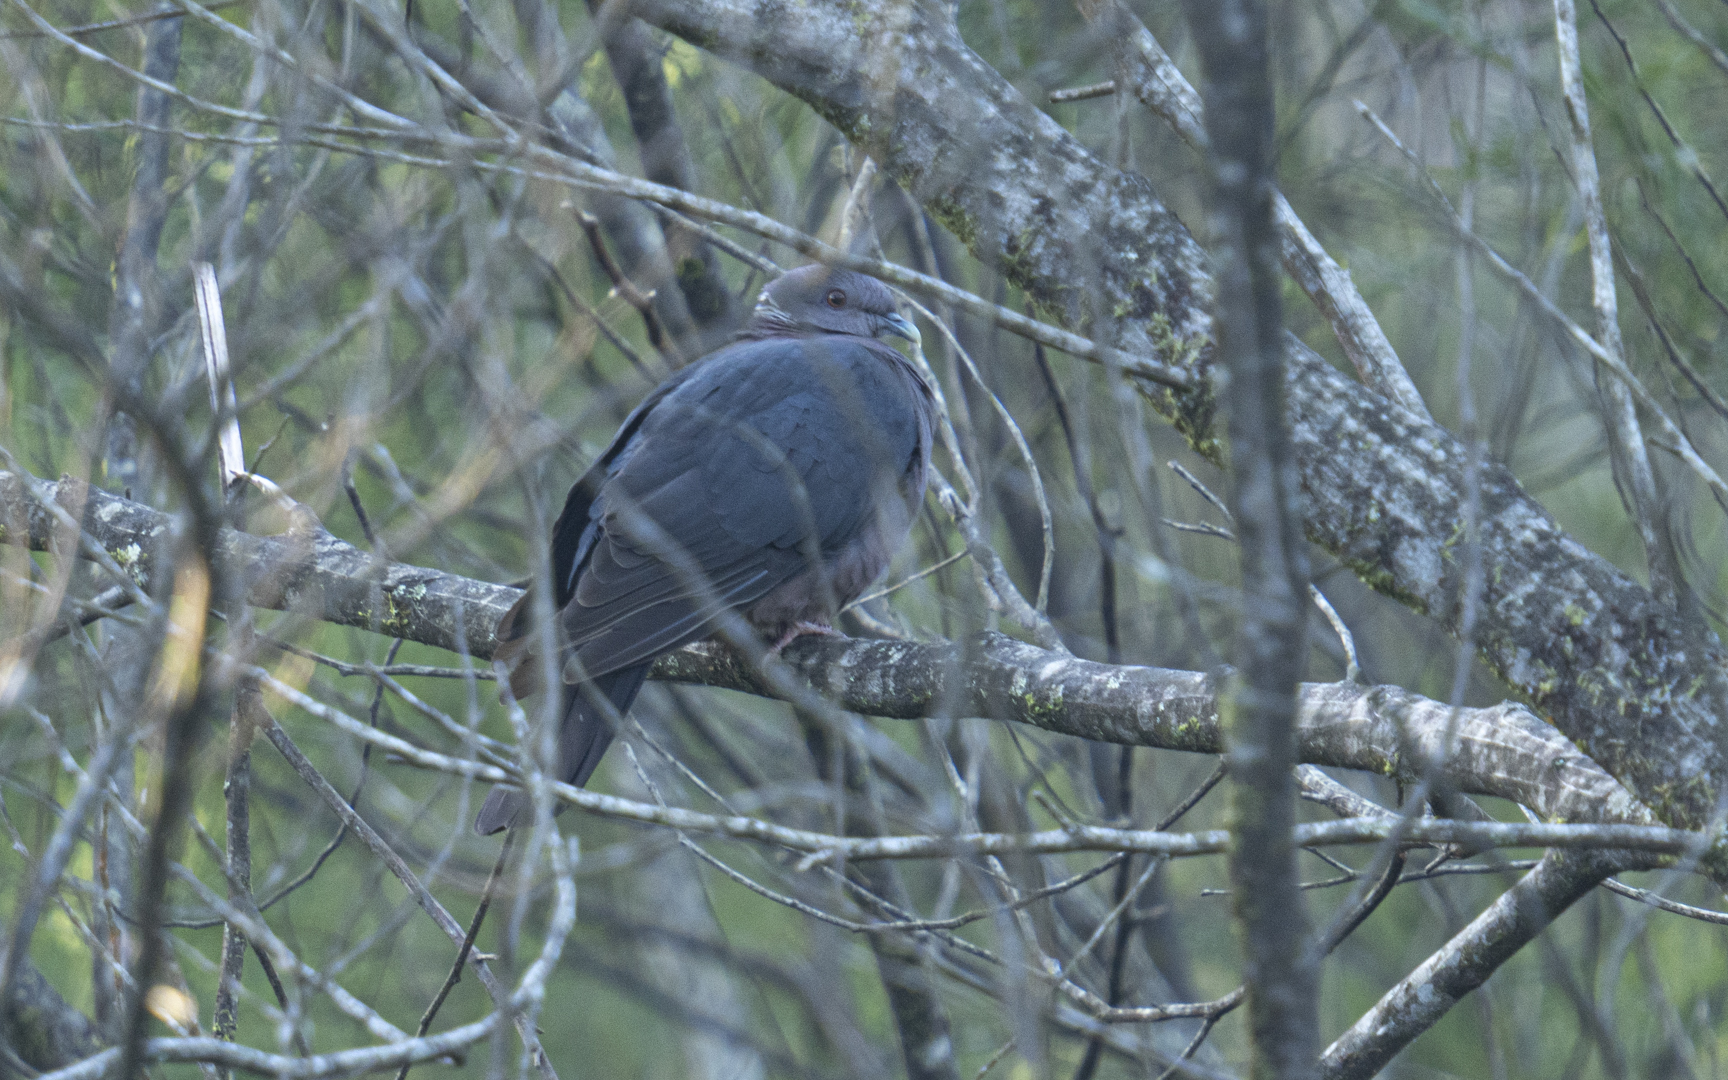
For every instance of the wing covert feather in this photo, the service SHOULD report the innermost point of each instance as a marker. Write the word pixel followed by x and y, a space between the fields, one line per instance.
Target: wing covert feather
pixel 765 447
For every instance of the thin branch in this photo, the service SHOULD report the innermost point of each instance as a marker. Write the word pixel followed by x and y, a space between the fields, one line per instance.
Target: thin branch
pixel 623 286
pixel 1670 431
pixel 1647 304
pixel 1080 460
pixel 467 947
pixel 1691 33
pixel 1202 490
pixel 61 846
pixel 1645 896
pixel 1083 93
pixel 887 590
pixel 335 1064
pixel 1632 459
pixel 114 24
pixel 237 795
pixel 1201 528
pixel 1684 154
pixel 1347 640
pixel 1160 86
pixel 393 861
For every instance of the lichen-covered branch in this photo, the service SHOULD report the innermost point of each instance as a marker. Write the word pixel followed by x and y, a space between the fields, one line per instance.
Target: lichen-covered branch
pixel 40 1026
pixel 1464 963
pixel 308 571
pixel 1502 750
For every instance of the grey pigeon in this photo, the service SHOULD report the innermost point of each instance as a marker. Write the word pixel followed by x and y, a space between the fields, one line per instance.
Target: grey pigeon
pixel 775 477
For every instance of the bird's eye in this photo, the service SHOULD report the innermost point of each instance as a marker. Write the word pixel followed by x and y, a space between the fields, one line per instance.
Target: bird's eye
pixel 836 298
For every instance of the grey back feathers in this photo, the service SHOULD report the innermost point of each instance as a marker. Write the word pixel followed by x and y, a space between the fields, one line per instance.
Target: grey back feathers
pixel 775 477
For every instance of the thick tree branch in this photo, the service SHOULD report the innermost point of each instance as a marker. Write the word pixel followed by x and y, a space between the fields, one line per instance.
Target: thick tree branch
pixel 40 1026
pixel 1502 750
pixel 1465 962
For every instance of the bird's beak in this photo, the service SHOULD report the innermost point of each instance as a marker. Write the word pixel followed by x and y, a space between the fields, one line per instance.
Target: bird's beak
pixel 901 327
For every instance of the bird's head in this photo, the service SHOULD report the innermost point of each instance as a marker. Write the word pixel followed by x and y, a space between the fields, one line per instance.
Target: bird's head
pixel 824 300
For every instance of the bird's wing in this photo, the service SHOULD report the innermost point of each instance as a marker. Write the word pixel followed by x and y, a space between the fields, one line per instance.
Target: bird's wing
pixel 771 453
pixel 574 530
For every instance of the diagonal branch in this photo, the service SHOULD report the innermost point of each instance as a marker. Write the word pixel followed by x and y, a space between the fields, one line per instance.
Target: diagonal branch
pixel 1464 963
pixel 1626 436
pixel 334 800
pixel 1160 85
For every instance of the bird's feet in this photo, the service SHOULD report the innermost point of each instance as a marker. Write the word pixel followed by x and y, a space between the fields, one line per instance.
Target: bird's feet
pixel 800 629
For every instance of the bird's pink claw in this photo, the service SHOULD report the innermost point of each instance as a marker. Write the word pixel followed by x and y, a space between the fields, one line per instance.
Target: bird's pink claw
pixel 800 629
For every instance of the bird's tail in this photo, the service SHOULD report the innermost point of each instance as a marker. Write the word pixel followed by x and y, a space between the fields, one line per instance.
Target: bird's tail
pixel 584 737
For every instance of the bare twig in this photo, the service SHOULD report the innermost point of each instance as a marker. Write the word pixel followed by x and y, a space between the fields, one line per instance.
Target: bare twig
pixel 1083 93
pixel 1683 153
pixel 1692 34
pixel 336 1064
pixel 1202 490
pixel 1352 666
pixel 857 229
pixel 115 24
pixel 1032 471
pixel 624 287
pixel 1627 437
pixel 237 794
pixel 1160 86
pixel 383 851
pixel 1669 431
pixel 1080 461
pixel 1201 528
pixel 61 846
pixel 909 579
pixel 1645 896
pixel 466 948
